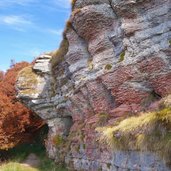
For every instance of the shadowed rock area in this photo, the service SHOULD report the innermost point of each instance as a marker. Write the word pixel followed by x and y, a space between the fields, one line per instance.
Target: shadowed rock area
pixel 114 63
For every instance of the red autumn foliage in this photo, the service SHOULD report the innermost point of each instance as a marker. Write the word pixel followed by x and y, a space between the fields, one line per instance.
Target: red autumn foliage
pixel 1 75
pixel 17 123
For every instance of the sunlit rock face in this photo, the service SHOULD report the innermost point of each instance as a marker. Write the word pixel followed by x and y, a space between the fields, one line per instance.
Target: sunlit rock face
pixel 117 64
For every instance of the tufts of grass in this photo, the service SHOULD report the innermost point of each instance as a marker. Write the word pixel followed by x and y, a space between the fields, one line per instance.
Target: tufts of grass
pixel 58 55
pixel 169 42
pixel 122 56
pixel 68 25
pixel 90 64
pixel 76 11
pixel 84 146
pixel 149 131
pixel 103 118
pixel 58 140
pixel 108 67
pixel 73 3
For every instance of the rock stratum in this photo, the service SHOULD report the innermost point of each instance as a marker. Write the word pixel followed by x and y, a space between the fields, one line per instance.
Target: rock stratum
pixel 113 63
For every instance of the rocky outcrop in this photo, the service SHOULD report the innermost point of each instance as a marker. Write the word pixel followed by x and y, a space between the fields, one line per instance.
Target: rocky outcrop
pixel 117 64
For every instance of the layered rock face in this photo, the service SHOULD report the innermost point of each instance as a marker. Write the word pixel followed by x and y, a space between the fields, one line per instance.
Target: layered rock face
pixel 117 64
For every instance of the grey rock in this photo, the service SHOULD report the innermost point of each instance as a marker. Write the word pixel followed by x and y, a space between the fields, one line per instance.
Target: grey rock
pixel 115 47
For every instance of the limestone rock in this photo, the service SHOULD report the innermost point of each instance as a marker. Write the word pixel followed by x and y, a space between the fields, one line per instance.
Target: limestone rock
pixel 117 63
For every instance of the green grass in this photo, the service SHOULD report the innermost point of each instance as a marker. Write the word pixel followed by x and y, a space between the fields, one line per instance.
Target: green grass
pixel 45 166
pixel 12 166
pixel 19 154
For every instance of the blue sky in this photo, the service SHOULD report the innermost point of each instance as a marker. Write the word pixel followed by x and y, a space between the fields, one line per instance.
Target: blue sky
pixel 30 27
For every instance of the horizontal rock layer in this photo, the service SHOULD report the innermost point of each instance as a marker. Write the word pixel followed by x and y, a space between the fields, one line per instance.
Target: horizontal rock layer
pixel 117 63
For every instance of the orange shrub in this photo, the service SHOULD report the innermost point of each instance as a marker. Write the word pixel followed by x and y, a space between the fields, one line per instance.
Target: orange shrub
pixel 17 123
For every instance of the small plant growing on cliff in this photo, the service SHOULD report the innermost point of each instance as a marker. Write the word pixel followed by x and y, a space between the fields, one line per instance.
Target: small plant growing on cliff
pixel 103 118
pixel 108 67
pixel 73 3
pixel 68 25
pixel 76 11
pixel 108 165
pixel 90 64
pixel 58 55
pixel 84 146
pixel 58 140
pixel 122 56
pixel 169 42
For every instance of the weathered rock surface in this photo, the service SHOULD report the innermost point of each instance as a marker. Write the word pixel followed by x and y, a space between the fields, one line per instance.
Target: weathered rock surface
pixel 118 63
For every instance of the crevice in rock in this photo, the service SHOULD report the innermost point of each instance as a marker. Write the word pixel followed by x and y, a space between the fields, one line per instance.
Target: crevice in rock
pixel 86 43
pixel 77 109
pixel 117 37
pixel 153 97
pixel 86 96
pixel 109 95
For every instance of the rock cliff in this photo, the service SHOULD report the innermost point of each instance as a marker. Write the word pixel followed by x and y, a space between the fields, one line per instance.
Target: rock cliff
pixel 114 62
